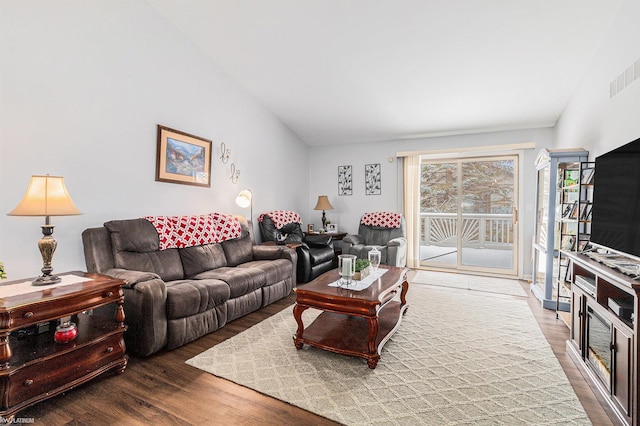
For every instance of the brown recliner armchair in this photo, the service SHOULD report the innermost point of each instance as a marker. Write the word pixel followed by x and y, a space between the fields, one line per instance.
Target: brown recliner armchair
pixel 315 252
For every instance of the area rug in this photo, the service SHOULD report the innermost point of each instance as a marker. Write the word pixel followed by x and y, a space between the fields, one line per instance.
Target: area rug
pixel 457 359
pixel 470 282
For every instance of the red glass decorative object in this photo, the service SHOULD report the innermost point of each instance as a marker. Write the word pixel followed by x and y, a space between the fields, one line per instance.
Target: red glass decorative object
pixel 65 332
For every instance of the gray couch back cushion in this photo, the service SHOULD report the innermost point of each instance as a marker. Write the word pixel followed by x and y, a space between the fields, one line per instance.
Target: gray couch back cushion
pixel 239 250
pixel 136 245
pixel 202 258
pixel 379 236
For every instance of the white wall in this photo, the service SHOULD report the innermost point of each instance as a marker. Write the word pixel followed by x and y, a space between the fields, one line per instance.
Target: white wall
pixel 324 162
pixel 591 119
pixel 83 86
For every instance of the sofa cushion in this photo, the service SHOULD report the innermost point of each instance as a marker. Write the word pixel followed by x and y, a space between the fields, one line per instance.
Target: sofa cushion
pixel 241 281
pixel 137 235
pixel 275 271
pixel 239 250
pixel 135 246
pixel 202 258
pixel 190 297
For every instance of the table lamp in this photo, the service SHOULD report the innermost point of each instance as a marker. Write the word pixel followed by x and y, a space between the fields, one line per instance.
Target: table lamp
pixel 323 204
pixel 46 196
pixel 244 200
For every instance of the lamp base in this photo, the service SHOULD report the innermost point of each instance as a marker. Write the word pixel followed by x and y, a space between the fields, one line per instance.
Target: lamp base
pixel 46 280
pixel 47 246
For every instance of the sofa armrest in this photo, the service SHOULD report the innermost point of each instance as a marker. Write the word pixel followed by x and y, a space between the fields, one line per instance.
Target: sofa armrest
pixel 397 242
pixel 145 307
pixel 131 278
pixel 353 239
pixel 397 252
pixel 262 252
pixel 265 252
pixel 317 240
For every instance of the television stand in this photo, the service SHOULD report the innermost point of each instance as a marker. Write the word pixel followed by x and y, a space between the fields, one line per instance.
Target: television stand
pixel 604 335
pixel 620 262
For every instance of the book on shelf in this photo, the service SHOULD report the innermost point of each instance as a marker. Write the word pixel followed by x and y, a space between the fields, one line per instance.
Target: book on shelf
pixel 587 176
pixel 586 213
pixel 574 211
pixel 568 210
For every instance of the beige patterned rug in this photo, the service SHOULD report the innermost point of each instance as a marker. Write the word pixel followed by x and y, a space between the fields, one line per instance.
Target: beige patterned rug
pixel 457 359
pixel 470 282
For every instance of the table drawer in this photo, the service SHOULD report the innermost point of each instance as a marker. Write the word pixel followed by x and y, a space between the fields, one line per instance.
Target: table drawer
pixel 26 315
pixel 43 377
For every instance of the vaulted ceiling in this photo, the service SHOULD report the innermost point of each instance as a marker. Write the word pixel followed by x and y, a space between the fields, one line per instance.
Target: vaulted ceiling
pixel 349 71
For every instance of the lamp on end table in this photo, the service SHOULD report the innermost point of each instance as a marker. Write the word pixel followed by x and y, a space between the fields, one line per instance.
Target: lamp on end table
pixel 323 204
pixel 46 196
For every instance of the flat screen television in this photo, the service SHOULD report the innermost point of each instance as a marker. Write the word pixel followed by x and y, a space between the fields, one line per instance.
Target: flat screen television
pixel 615 222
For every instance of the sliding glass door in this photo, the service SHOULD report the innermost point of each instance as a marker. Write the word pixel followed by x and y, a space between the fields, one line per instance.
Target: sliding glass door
pixel 468 214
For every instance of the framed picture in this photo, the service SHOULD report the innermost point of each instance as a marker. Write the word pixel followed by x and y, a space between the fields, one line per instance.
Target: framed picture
pixel 310 227
pixel 183 158
pixel 345 180
pixel 372 179
pixel 332 227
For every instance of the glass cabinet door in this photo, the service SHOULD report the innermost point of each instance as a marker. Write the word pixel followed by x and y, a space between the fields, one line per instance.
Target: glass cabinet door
pixel 542 225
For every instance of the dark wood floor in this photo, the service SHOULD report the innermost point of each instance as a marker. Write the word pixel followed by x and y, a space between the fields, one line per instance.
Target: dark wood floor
pixel 163 390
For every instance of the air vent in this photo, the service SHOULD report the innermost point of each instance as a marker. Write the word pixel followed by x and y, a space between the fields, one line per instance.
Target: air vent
pixel 622 81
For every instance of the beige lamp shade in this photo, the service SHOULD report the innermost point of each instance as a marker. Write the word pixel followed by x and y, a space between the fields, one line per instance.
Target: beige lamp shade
pixel 323 203
pixel 46 196
pixel 244 198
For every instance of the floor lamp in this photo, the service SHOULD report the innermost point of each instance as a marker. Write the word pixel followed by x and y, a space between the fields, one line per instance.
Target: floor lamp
pixel 244 200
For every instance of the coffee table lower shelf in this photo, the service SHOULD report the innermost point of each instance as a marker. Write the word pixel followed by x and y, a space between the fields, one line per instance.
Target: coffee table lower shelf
pixel 353 335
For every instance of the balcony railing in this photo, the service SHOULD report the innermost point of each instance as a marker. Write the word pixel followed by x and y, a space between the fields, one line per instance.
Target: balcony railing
pixel 478 230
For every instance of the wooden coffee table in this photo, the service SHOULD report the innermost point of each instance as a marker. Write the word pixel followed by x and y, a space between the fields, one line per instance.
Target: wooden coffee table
pixel 356 323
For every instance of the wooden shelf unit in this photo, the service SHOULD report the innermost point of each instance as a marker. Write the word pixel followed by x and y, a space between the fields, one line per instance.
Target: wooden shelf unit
pixel 591 316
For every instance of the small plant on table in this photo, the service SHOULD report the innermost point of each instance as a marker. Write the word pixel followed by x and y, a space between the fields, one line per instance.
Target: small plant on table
pixel 362 269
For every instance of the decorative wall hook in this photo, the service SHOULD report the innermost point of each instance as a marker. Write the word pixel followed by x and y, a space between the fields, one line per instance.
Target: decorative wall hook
pixel 225 153
pixel 235 173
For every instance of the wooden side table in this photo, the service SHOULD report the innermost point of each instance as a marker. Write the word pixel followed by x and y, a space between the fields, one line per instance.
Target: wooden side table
pixel 35 367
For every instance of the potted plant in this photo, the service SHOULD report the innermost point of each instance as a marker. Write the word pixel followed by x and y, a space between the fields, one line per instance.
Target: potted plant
pixel 363 268
pixel 3 274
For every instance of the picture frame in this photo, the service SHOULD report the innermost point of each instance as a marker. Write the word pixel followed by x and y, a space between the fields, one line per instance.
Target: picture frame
pixel 332 227
pixel 183 158
pixel 372 179
pixel 310 227
pixel 345 180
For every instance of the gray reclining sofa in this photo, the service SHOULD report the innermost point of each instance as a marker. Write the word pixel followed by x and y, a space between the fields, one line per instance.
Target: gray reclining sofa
pixel 176 295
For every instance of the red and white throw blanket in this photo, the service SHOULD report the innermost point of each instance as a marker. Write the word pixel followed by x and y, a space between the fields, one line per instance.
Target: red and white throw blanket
pixel 382 219
pixel 282 217
pixel 189 231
